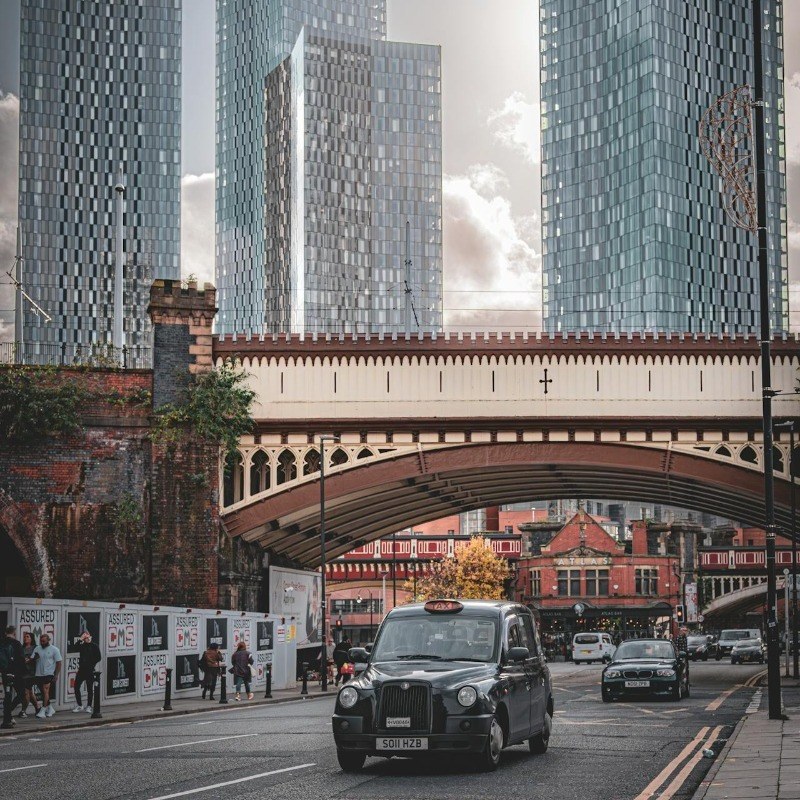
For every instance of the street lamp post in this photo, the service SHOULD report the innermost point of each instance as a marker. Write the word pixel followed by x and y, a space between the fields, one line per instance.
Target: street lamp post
pixel 359 600
pixel 790 426
pixel 323 656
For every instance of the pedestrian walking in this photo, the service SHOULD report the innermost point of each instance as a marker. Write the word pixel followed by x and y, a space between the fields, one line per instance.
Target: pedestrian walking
pixel 48 666
pixel 12 666
pixel 28 646
pixel 88 658
pixel 242 661
pixel 210 663
pixel 341 655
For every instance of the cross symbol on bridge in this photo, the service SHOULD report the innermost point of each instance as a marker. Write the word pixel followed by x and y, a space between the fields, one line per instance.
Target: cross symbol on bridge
pixel 545 380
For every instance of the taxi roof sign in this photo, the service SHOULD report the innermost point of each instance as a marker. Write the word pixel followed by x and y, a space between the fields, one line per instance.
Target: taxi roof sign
pixel 443 606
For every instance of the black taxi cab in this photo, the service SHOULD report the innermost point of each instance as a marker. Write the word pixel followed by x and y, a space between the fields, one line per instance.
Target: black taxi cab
pixel 447 676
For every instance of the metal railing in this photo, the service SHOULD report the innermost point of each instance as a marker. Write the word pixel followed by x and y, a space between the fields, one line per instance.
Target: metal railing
pixel 75 355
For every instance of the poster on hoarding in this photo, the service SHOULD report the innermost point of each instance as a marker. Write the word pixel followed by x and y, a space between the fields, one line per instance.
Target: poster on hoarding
pixel 187 633
pixel 295 593
pixel 37 620
pixel 71 670
pixel 262 658
pixel 241 632
pixel 120 632
pixel 264 635
pixel 120 675
pixel 690 601
pixel 217 632
pixel 187 672
pixel 80 622
pixel 155 634
pixel 154 672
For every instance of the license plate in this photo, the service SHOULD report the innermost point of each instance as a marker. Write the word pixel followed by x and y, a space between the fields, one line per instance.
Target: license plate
pixel 410 743
pixel 637 684
pixel 586 651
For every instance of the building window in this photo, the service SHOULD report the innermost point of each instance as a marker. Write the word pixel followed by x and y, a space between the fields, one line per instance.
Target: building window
pixel 350 605
pixel 597 583
pixel 536 583
pixel 569 582
pixel 647 582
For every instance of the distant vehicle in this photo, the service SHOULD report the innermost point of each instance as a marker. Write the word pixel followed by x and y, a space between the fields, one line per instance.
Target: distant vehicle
pixel 646 668
pixel 701 647
pixel 591 647
pixel 728 638
pixel 749 650
pixel 447 676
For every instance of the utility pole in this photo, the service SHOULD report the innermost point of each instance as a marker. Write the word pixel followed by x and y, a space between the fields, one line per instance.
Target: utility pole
pixel 409 298
pixel 19 335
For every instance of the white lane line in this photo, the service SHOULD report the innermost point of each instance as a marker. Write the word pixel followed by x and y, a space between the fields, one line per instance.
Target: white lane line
pixel 198 741
pixel 17 769
pixel 678 781
pixel 662 776
pixel 211 722
pixel 755 703
pixel 231 783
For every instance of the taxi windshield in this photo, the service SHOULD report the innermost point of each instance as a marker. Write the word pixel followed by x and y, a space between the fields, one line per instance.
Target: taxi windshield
pixel 436 637
pixel 647 649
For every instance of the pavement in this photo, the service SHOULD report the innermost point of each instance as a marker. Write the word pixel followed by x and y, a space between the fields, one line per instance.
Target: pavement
pixel 761 760
pixel 152 709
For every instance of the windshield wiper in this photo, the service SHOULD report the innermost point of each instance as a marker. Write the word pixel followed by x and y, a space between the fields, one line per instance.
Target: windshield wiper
pixel 457 658
pixel 426 656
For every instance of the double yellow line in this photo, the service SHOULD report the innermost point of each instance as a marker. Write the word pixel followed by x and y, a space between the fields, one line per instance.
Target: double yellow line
pixel 754 680
pixel 680 767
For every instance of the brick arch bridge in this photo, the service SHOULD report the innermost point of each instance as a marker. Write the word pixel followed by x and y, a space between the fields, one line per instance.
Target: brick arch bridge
pixel 430 426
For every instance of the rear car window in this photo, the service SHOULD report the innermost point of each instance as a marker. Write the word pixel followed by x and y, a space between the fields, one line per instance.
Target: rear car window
pixel 586 638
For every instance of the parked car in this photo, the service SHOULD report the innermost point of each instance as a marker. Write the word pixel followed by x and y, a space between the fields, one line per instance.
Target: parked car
pixel 728 638
pixel 591 647
pixel 447 676
pixel 748 650
pixel 701 646
pixel 646 668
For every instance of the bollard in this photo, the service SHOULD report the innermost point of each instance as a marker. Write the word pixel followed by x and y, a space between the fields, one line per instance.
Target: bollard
pixel 168 692
pixel 304 689
pixel 223 688
pixel 8 699
pixel 96 698
pixel 268 693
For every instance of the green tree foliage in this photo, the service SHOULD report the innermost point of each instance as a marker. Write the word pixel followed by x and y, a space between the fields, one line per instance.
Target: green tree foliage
pixel 475 573
pixel 214 409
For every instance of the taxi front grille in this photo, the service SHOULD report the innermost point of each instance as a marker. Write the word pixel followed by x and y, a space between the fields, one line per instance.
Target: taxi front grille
pixel 412 703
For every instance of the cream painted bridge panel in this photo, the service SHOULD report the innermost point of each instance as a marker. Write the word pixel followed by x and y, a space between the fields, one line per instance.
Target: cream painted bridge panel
pixel 593 386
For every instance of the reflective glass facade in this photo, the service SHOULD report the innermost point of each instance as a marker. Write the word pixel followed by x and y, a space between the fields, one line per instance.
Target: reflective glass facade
pixel 100 86
pixel 634 232
pixel 328 140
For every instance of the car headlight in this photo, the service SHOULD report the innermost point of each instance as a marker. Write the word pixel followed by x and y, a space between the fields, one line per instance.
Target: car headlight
pixel 665 673
pixel 348 697
pixel 467 695
pixel 612 673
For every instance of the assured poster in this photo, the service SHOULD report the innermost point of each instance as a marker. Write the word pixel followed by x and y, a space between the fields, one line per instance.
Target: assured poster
pixel 295 593
pixel 241 632
pixel 154 672
pixel 38 620
pixel 120 632
pixel 187 633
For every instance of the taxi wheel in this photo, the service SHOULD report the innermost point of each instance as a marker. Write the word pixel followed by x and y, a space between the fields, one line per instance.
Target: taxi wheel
pixel 351 761
pixel 490 757
pixel 676 693
pixel 687 690
pixel 538 744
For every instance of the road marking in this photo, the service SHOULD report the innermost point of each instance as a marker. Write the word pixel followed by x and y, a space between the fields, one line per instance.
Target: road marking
pixel 755 703
pixel 610 724
pixel 715 704
pixel 17 769
pixel 753 680
pixel 662 776
pixel 678 781
pixel 231 783
pixel 210 722
pixel 198 741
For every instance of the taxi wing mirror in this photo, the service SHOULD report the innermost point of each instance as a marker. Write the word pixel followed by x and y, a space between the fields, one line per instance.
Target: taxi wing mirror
pixel 515 654
pixel 368 647
pixel 682 654
pixel 358 655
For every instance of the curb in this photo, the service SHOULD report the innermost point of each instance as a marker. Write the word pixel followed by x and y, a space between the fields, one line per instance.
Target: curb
pixel 149 715
pixel 705 784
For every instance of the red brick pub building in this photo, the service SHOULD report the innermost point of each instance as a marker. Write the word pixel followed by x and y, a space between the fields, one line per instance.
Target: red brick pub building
pixel 578 577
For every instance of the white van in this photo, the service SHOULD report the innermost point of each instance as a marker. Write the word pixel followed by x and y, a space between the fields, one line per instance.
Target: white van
pixel 592 646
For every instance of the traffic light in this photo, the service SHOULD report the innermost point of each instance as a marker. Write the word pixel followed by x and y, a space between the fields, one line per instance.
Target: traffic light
pixel 680 616
pixel 338 622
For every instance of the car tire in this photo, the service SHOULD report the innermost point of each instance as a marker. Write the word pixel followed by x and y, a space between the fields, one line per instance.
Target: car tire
pixel 705 657
pixel 607 698
pixel 538 744
pixel 718 657
pixel 490 755
pixel 676 693
pixel 351 760
pixel 687 689
pixel 734 660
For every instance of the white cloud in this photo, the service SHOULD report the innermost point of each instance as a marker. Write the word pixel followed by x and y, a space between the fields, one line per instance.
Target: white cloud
pixel 492 269
pixel 9 160
pixel 197 226
pixel 516 126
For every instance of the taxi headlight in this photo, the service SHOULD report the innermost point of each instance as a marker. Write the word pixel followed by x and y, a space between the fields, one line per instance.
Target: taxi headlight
pixel 612 673
pixel 348 697
pixel 467 695
pixel 665 673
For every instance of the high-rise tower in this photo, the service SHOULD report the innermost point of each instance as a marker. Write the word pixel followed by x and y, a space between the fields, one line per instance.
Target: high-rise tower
pixel 634 232
pixel 328 142
pixel 100 87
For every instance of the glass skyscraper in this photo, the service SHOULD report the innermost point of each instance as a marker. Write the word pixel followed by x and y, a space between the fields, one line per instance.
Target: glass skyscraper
pixel 100 87
pixel 634 232
pixel 328 142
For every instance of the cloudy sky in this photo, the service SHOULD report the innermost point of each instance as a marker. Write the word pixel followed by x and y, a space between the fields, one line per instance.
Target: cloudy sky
pixel 491 149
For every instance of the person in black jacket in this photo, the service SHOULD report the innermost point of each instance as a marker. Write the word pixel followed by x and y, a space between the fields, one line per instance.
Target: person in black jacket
pixel 88 658
pixel 13 659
